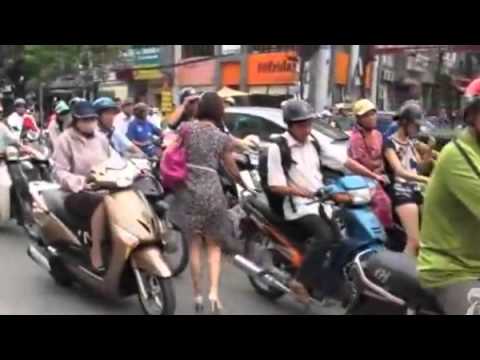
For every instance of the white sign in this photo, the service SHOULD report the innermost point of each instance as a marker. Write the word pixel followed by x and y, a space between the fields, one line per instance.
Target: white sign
pixel 231 49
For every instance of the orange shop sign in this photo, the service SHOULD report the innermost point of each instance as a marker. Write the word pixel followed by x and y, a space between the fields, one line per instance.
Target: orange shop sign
pixel 278 68
pixel 196 73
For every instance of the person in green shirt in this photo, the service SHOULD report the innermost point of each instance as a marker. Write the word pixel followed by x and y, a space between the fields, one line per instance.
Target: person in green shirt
pixel 449 258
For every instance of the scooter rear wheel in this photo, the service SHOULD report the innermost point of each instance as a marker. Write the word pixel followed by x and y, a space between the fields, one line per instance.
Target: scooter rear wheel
pixel 263 257
pixel 160 298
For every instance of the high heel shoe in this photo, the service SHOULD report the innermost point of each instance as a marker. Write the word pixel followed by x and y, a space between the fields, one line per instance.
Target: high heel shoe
pixel 198 305
pixel 216 306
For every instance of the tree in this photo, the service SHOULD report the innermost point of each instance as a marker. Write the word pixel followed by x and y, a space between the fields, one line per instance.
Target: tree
pixel 43 63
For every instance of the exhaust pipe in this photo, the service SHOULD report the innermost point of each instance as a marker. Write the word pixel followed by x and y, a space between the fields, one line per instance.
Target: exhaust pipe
pixel 39 256
pixel 252 269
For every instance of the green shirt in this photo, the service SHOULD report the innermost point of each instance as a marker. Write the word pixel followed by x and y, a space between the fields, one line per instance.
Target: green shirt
pixel 450 237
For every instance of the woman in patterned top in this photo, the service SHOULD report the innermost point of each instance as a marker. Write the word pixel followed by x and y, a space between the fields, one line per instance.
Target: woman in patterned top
pixel 200 208
pixel 366 147
pixel 402 162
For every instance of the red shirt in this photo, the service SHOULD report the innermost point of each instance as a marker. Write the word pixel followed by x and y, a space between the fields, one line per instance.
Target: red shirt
pixel 29 123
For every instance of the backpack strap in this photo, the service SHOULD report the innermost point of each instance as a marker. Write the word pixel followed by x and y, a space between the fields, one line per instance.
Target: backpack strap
pixel 287 162
pixel 317 147
pixel 467 158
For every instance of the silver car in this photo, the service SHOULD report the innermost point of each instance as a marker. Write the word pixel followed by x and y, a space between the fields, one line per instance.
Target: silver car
pixel 264 122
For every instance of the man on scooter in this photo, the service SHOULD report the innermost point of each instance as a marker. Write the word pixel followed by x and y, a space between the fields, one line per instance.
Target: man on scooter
pixel 449 258
pixel 15 120
pixel 7 138
pixel 106 109
pixel 298 186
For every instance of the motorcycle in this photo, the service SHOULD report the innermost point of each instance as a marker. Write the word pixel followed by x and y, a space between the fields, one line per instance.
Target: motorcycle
pixel 64 244
pixel 359 271
pixel 23 169
pixel 176 253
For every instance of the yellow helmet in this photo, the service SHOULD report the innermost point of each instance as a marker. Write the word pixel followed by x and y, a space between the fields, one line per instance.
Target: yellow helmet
pixel 361 107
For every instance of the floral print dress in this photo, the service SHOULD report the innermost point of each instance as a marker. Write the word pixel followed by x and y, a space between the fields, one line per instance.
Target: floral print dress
pixel 199 205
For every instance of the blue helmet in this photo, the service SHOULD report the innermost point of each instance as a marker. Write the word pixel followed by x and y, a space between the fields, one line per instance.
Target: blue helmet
pixel 104 103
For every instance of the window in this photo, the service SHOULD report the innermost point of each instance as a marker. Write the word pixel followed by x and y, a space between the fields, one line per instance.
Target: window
pixel 189 51
pixel 241 125
pixel 388 60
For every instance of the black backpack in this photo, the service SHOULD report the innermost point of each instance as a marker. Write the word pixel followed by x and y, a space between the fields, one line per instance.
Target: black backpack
pixel 276 201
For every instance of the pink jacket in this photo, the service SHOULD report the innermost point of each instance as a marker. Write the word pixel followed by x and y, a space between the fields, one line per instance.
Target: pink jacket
pixel 74 156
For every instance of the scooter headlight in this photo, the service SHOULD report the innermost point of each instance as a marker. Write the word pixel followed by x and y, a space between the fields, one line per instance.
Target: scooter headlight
pixel 361 196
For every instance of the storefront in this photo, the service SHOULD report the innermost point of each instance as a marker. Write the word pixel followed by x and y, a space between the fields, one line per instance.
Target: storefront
pixel 272 77
pixel 147 81
pixel 198 73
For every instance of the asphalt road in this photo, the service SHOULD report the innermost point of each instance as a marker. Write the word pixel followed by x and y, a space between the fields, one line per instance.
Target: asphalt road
pixel 28 289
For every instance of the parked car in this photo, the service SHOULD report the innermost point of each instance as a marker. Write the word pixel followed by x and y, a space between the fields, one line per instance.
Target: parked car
pixel 264 122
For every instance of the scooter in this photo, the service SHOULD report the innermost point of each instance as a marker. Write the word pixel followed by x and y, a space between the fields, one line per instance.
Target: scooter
pixel 63 249
pixel 148 183
pixel 23 169
pixel 359 272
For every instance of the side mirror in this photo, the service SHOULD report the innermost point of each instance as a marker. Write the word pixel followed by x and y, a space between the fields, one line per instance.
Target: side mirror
pixel 273 137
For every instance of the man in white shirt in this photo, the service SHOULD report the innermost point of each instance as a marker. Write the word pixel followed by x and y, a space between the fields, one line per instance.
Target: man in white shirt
pixel 298 185
pixel 15 120
pixel 125 117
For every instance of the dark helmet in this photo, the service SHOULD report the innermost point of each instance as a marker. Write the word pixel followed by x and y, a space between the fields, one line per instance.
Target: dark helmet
pixel 104 103
pixel 297 110
pixel 186 93
pixel 411 111
pixel 84 110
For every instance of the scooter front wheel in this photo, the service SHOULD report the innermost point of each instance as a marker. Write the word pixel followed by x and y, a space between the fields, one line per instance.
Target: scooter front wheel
pixel 156 295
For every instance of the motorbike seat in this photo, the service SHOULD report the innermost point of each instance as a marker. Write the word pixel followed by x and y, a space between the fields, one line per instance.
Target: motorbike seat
pixel 294 233
pixel 396 272
pixel 55 201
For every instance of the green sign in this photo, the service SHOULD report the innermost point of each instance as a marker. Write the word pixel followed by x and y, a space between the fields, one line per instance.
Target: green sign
pixel 145 56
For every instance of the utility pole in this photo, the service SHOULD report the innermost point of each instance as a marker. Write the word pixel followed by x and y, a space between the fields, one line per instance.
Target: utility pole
pixel 320 76
pixel 354 58
pixel 374 85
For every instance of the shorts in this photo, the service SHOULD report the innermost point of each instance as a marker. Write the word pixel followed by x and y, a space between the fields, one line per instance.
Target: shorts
pixel 405 193
pixel 83 204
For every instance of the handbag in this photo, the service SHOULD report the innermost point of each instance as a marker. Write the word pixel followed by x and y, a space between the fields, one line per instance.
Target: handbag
pixel 173 165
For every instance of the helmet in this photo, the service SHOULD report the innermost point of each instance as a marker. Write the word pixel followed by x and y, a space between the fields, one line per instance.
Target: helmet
pixel 20 102
pixel 186 93
pixel 62 108
pixel 74 101
pixel 84 110
pixel 471 99
pixel 361 107
pixel 140 107
pixel 104 103
pixel 410 111
pixel 297 110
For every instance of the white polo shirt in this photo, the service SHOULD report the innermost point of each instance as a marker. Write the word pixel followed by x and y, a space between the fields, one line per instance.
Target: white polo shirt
pixel 305 173
pixel 121 122
pixel 15 123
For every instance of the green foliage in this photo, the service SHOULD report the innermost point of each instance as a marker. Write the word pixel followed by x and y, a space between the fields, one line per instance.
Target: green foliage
pixel 46 62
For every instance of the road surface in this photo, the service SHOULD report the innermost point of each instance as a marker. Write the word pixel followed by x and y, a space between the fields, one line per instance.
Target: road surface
pixel 28 289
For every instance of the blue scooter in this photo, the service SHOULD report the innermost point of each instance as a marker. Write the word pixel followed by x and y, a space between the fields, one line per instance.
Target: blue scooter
pixel 359 272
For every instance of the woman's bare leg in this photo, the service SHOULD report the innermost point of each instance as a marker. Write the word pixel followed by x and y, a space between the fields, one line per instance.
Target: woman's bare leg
pixel 214 265
pixel 196 266
pixel 409 215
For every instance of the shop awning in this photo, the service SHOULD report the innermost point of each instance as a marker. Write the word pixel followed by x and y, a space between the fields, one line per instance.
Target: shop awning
pixel 226 92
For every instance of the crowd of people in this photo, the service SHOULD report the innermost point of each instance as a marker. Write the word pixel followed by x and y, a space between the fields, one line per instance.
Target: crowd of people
pixel 442 235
